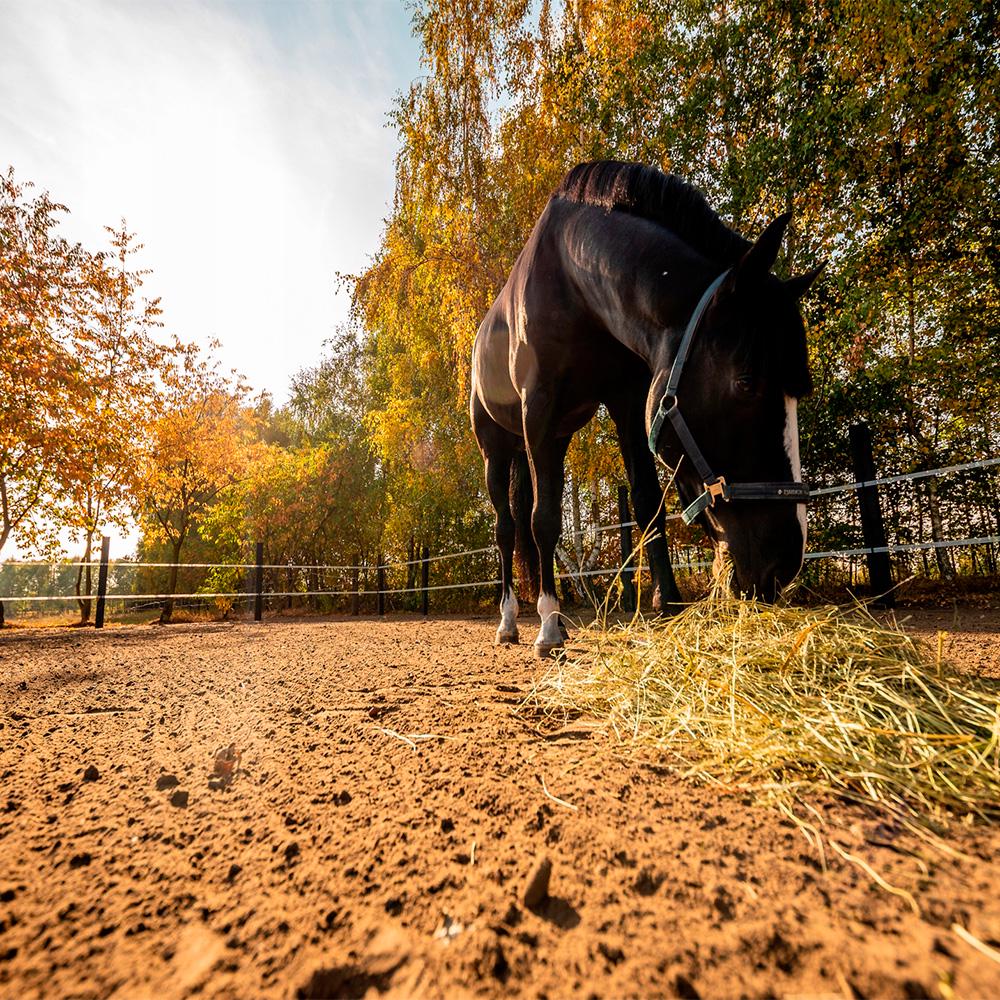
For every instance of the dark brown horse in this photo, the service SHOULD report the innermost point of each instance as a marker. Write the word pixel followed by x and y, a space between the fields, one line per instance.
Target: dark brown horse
pixel 627 279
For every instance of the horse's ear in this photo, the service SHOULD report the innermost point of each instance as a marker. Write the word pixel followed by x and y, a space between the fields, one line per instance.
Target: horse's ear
pixel 800 283
pixel 760 258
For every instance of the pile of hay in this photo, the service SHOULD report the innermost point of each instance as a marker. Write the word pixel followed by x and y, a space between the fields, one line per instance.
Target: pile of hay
pixel 792 701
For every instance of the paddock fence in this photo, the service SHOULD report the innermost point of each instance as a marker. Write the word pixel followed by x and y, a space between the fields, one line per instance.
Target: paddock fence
pixel 854 516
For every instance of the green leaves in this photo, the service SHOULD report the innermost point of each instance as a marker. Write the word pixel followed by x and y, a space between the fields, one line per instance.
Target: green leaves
pixel 874 124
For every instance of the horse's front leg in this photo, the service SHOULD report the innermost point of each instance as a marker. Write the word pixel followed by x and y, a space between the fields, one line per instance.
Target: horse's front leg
pixel 546 456
pixel 647 498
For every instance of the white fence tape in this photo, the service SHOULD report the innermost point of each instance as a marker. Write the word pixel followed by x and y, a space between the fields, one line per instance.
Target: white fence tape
pixel 985 463
pixel 823 491
pixel 909 547
pixel 840 553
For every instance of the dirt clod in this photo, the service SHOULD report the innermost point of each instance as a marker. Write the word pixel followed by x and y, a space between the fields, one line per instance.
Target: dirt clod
pixel 537 889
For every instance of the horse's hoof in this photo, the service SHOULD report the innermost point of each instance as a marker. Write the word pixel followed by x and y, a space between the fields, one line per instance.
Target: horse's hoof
pixel 507 639
pixel 668 608
pixel 546 649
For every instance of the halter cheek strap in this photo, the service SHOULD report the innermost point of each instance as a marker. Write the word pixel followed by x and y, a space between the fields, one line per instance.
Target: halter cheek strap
pixel 716 487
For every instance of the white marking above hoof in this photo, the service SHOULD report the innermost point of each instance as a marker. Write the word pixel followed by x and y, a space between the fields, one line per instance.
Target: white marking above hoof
pixel 550 635
pixel 507 632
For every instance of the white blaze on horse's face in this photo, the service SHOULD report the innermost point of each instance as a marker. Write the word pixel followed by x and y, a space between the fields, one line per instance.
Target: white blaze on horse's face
pixel 792 451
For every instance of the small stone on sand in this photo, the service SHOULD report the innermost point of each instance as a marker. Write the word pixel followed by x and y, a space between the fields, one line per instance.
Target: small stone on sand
pixel 165 781
pixel 91 774
pixel 179 799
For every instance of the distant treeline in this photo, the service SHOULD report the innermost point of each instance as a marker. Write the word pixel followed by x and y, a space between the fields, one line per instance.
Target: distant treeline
pixel 876 123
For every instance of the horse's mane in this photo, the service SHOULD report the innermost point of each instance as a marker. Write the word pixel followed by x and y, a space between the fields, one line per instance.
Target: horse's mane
pixel 662 198
pixel 680 207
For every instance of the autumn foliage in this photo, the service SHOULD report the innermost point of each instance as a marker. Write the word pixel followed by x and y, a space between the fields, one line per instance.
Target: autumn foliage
pixel 875 123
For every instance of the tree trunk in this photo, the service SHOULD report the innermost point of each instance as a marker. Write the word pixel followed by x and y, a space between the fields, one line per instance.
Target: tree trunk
pixel 570 558
pixel 84 574
pixel 987 529
pixel 937 531
pixel 411 571
pixel 167 609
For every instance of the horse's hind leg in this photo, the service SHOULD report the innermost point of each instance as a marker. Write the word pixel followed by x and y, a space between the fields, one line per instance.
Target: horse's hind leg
pixel 498 485
pixel 498 448
pixel 546 455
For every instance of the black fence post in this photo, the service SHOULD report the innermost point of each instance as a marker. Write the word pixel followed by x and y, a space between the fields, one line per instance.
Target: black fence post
pixel 628 570
pixel 872 524
pixel 425 574
pixel 380 586
pixel 355 604
pixel 258 588
pixel 102 582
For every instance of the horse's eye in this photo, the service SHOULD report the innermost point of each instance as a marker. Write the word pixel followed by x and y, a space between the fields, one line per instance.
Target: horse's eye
pixel 744 384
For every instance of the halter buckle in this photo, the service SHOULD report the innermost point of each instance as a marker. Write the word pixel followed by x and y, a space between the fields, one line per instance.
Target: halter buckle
pixel 717 489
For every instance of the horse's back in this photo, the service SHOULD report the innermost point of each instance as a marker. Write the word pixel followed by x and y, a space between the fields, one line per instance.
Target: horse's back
pixel 541 332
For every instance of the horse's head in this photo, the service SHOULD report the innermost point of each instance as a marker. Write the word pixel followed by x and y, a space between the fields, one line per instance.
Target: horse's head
pixel 745 371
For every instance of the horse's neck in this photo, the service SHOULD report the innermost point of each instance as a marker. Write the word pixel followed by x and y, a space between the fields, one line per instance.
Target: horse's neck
pixel 641 280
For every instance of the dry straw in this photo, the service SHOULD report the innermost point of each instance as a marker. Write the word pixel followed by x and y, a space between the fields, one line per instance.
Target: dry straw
pixel 792 701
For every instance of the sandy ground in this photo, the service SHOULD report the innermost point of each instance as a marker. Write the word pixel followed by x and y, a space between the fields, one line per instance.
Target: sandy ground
pixel 349 855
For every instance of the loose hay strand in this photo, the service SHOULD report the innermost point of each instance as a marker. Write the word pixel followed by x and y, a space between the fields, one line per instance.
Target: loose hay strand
pixel 980 946
pixel 793 701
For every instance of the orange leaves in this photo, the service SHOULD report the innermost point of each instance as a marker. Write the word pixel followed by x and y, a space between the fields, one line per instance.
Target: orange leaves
pixel 41 286
pixel 201 443
pixel 81 371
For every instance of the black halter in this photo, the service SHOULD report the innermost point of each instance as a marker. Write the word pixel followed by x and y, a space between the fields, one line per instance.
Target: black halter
pixel 715 486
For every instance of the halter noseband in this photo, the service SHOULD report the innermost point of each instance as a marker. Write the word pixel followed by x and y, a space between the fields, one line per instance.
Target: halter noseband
pixel 715 486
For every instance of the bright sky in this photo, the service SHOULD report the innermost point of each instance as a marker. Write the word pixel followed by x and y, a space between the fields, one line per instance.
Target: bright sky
pixel 245 142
